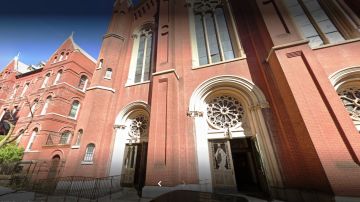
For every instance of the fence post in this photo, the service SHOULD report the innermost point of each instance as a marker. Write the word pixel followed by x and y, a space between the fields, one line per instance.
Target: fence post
pixel 93 196
pixel 111 186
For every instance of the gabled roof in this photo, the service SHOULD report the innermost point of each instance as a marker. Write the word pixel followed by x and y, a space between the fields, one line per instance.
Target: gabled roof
pixel 75 46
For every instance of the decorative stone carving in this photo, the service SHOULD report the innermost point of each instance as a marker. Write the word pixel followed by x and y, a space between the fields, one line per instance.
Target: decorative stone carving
pixel 225 112
pixel 138 127
pixel 351 100
pixel 194 114
pixel 202 6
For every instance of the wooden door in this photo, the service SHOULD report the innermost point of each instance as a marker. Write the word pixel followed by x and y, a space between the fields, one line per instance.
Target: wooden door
pixel 140 170
pixel 53 170
pixel 223 175
pixel 260 168
pixel 129 165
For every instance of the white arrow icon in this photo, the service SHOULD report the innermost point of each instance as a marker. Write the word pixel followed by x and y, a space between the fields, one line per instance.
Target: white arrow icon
pixel 159 183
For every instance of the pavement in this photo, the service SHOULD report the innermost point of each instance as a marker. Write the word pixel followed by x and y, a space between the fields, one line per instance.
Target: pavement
pixel 127 195
pixel 9 195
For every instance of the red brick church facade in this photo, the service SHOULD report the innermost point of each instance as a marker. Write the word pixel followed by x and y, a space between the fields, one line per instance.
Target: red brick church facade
pixel 208 95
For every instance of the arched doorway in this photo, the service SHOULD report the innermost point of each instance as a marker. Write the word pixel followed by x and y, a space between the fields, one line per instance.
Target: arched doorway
pixel 130 146
pixel 54 167
pixel 233 148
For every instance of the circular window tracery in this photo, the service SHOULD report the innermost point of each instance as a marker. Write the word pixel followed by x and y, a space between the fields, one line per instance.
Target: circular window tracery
pixel 139 126
pixel 351 100
pixel 225 112
pixel 202 6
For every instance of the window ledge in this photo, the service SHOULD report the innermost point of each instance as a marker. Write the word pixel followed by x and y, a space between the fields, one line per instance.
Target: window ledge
pixel 336 44
pixel 87 162
pixel 219 63
pixel 75 147
pixel 107 78
pixel 72 118
pixel 31 151
pixel 136 84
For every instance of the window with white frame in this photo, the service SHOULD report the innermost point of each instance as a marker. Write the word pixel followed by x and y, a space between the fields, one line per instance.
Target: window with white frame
pixel 101 62
pixel 19 136
pixel 46 80
pixel 58 76
pixel 321 22
pixel 78 138
pixel 26 87
pixel 46 105
pixel 83 82
pixel 74 109
pixel 65 137
pixel 33 107
pixel 89 153
pixel 14 92
pixel 32 139
pixel 108 73
pixel 214 33
pixel 3 113
pixel 142 56
pixel 61 56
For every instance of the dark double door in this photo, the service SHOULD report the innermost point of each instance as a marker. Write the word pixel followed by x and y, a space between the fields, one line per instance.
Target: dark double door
pixel 134 166
pixel 236 166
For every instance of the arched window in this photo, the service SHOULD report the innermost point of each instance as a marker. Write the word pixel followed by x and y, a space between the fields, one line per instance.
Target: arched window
pixel 46 80
pixel 14 92
pixel 350 96
pixel 20 134
pixel 3 113
pixel 78 138
pixel 142 59
pixel 26 87
pixel 32 139
pixel 108 73
pixel 33 107
pixel 65 137
pixel 347 85
pixel 61 57
pixel 46 105
pixel 83 82
pixel 58 76
pixel 89 153
pixel 214 33
pixel 101 62
pixel 74 109
pixel 322 22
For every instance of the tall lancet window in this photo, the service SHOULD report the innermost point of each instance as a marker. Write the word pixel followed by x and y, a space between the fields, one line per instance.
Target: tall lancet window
pixel 140 70
pixel 216 40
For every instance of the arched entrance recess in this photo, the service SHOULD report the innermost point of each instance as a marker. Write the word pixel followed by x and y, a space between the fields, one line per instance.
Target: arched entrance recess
pixel 130 144
pixel 231 135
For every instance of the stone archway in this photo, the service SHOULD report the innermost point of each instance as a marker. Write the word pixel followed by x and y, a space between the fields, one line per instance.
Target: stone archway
pixel 130 145
pixel 249 124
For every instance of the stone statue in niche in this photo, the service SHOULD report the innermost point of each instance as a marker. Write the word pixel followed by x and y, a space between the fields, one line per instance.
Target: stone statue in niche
pixel 220 157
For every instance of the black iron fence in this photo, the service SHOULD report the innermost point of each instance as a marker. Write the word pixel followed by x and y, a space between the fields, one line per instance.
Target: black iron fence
pixel 78 187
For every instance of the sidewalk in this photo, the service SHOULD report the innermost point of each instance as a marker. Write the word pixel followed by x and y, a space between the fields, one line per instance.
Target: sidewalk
pixel 9 195
pixel 127 195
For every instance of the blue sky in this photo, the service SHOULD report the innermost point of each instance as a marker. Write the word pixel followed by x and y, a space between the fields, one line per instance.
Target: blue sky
pixel 36 28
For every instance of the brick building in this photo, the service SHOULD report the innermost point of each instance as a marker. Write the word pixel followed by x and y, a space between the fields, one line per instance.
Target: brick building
pixel 220 95
pixel 45 100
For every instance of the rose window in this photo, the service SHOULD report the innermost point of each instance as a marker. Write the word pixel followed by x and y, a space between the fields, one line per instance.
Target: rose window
pixel 225 112
pixel 202 6
pixel 351 99
pixel 138 126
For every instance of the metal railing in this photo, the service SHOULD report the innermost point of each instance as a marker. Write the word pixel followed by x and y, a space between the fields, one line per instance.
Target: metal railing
pixel 78 187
